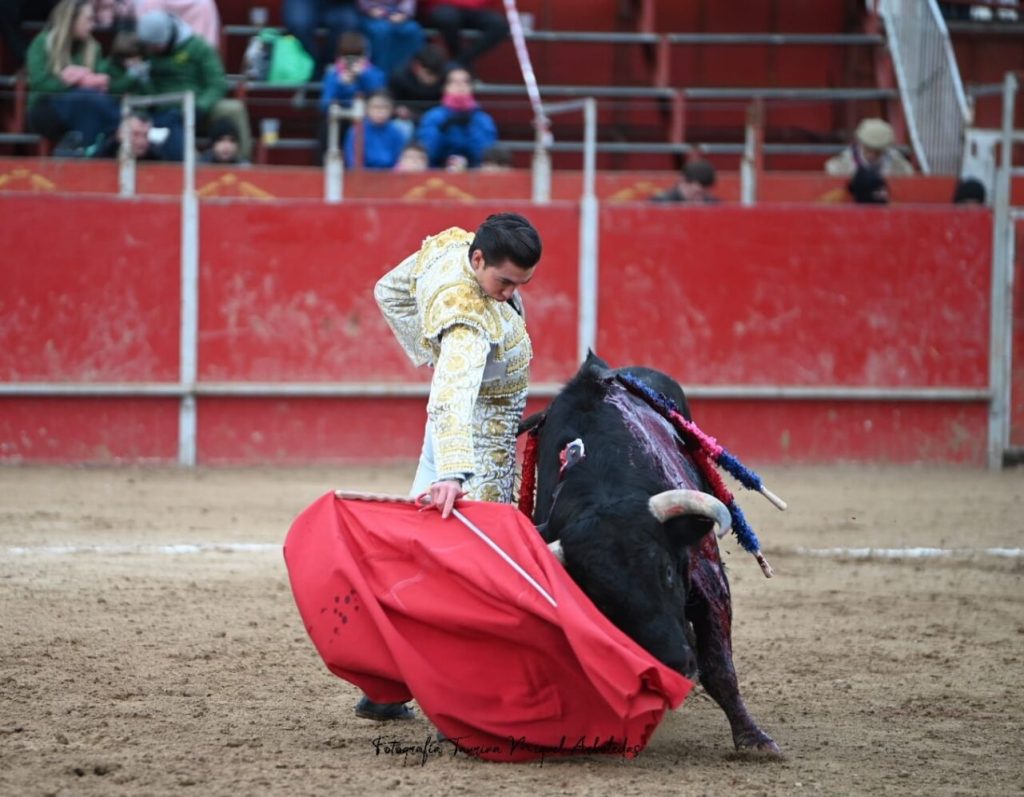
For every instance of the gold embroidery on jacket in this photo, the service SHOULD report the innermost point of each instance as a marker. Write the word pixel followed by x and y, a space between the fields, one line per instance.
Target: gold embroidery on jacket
pixel 440 315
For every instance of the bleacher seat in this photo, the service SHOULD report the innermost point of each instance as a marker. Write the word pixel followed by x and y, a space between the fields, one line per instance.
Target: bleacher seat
pixel 666 75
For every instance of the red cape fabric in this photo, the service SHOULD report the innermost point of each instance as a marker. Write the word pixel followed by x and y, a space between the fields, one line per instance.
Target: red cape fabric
pixel 404 604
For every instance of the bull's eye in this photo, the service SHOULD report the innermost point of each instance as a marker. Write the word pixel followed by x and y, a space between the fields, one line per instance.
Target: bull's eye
pixel 670 577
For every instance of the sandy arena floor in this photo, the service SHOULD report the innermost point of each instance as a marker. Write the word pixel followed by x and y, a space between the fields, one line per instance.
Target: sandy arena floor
pixel 130 667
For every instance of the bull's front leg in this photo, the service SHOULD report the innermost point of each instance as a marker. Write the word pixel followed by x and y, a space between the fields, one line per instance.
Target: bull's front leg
pixel 709 609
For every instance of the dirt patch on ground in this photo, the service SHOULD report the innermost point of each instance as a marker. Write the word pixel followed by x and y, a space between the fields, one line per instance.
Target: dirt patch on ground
pixel 159 663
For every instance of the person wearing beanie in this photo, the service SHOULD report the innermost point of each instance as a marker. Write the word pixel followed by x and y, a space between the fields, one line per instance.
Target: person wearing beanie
pixel 224 148
pixel 868 187
pixel 181 61
pixel 200 15
pixel 872 149
pixel 694 186
pixel 969 191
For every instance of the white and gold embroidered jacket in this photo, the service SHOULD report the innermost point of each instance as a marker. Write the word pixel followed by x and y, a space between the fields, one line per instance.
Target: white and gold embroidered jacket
pixel 481 355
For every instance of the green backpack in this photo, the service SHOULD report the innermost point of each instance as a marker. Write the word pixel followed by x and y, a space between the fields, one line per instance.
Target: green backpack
pixel 289 61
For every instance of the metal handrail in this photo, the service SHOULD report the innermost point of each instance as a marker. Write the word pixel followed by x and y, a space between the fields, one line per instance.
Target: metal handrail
pixel 422 389
pixel 627 37
pixel 697 93
pixel 929 81
pixel 775 38
pixel 334 163
pixel 188 333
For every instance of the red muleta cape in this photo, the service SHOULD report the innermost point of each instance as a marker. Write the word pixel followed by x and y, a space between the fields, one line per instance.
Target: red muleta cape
pixel 404 604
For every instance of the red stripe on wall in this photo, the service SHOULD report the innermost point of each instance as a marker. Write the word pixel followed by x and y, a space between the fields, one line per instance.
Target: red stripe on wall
pixel 98 430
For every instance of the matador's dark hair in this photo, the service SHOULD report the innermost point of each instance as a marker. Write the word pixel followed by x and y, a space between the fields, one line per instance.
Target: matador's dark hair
pixel 507 236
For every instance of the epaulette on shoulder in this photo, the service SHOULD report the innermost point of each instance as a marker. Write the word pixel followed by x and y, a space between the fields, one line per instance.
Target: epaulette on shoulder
pixel 461 303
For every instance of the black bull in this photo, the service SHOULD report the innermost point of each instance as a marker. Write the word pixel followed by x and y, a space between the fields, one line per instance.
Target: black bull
pixel 661 582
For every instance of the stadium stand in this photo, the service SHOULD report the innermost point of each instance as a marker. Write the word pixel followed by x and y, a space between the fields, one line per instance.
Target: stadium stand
pixel 668 76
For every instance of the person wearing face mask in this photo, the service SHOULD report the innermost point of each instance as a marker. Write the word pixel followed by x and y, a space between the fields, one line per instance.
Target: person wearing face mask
pixel 457 127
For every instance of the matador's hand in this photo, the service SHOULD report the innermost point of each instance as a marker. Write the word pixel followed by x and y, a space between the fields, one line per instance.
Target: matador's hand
pixel 442 496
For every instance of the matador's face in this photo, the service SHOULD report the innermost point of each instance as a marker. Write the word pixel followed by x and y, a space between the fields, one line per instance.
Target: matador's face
pixel 499 280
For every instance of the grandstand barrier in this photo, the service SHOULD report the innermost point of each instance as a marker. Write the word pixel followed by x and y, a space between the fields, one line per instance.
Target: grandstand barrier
pixel 266 184
pixel 803 333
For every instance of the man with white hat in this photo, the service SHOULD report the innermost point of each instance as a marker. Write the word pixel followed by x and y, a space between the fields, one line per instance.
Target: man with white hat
pixel 872 150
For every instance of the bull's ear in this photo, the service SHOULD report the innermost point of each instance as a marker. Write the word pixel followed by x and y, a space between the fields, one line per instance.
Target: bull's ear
pixel 688 530
pixel 542 529
pixel 594 363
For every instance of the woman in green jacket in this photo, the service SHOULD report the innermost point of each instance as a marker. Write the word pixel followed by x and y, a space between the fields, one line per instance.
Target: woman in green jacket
pixel 69 81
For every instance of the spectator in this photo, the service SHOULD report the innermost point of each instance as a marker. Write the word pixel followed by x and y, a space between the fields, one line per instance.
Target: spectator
pixel 114 15
pixel 694 186
pixel 393 33
pixel 458 126
pixel 412 159
pixel 145 142
pixel 416 86
pixel 352 73
pixel 303 17
pixel 868 187
pixel 496 159
pixel 451 16
pixel 181 61
pixel 969 191
pixel 69 80
pixel 383 138
pixel 224 148
pixel 872 149
pixel 200 15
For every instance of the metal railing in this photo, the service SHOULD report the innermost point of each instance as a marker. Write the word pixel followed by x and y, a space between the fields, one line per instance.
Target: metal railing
pixel 334 162
pixel 188 345
pixel 587 315
pixel 929 80
pixel 1000 360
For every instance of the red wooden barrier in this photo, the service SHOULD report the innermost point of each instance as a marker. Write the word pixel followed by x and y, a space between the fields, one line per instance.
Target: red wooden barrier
pixel 799 295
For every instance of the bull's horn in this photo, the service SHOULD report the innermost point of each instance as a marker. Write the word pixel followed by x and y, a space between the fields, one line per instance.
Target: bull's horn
pixel 556 548
pixel 673 503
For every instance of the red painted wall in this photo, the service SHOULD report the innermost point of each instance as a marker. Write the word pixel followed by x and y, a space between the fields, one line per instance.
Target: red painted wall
pixel 865 297
pixel 89 289
pixel 788 295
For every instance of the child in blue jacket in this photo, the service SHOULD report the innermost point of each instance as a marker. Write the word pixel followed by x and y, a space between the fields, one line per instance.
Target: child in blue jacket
pixel 383 137
pixel 351 74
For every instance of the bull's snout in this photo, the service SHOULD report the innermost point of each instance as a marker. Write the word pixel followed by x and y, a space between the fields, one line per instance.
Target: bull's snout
pixel 684 661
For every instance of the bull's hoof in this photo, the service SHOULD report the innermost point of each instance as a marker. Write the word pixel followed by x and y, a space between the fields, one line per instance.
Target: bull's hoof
pixel 757 744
